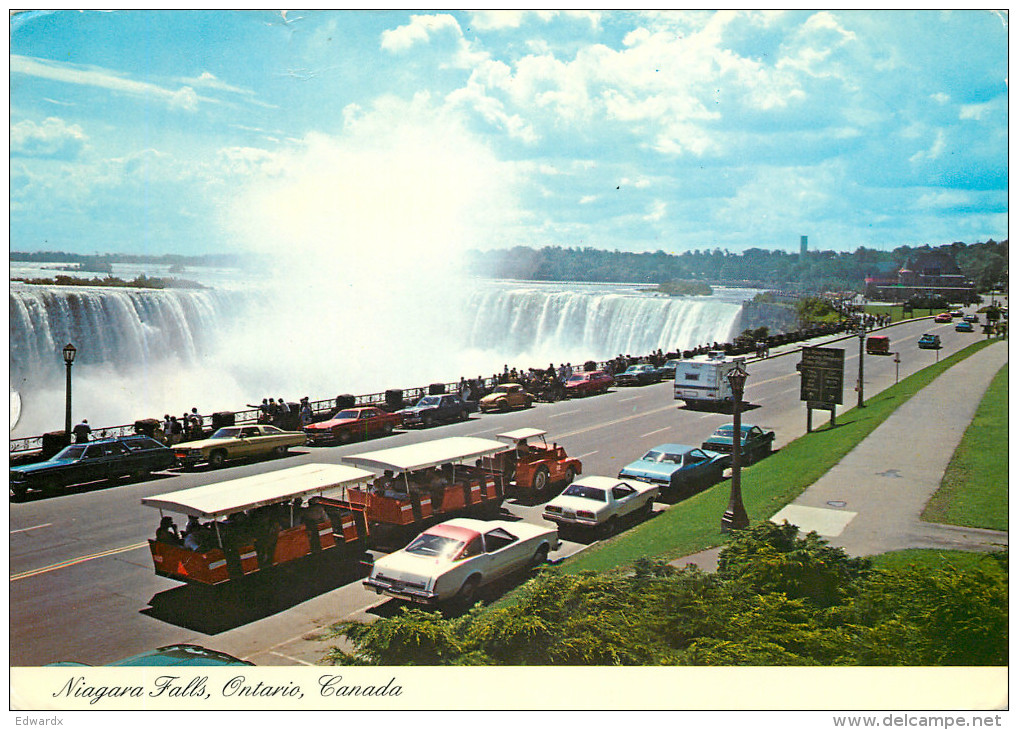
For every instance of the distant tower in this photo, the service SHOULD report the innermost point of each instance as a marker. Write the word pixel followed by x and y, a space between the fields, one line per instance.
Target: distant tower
pixel 802 245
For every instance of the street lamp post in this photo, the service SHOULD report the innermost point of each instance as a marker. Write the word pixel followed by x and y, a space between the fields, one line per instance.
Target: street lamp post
pixel 862 359
pixel 735 517
pixel 69 353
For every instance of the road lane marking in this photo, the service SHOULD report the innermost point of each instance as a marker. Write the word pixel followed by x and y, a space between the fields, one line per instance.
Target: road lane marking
pixel 617 421
pixel 33 527
pixel 654 432
pixel 75 561
pixel 623 400
pixel 589 453
pixel 565 413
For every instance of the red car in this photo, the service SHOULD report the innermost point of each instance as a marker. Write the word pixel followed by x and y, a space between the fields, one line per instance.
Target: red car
pixel 943 317
pixel 592 383
pixel 352 423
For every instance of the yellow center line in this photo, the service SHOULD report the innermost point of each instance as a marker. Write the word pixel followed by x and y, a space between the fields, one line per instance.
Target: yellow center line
pixel 75 561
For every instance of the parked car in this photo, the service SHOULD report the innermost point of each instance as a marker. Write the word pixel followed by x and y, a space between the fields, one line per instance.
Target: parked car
pixel 600 503
pixel 668 369
pixel 943 317
pixel 453 559
pixel 642 374
pixel 756 443
pixel 238 442
pixel 964 327
pixel 352 423
pixel 506 397
pixel 174 655
pixel 973 318
pixel 929 342
pixel 677 468
pixel 589 383
pixel 88 462
pixel 956 313
pixel 432 409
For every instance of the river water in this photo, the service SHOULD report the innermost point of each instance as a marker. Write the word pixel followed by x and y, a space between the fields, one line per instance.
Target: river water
pixel 143 353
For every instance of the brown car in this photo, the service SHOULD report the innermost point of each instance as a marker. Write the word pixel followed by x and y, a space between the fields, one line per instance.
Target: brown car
pixel 506 397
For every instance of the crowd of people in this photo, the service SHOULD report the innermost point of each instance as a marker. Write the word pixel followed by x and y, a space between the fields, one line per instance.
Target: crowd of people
pixel 259 527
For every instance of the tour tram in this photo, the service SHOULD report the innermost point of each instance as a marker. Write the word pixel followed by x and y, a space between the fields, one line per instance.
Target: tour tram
pixel 258 522
pixel 426 482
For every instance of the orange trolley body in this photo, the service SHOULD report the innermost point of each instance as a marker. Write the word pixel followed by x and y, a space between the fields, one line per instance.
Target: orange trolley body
pixel 275 530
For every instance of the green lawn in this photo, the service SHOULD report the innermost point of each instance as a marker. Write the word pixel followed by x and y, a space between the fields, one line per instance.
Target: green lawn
pixel 973 492
pixel 957 560
pixel 694 524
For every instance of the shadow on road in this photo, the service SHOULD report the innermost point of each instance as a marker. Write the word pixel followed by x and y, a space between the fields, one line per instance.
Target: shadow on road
pixel 214 609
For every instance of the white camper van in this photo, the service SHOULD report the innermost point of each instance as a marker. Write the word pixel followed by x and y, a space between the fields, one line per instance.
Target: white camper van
pixel 702 380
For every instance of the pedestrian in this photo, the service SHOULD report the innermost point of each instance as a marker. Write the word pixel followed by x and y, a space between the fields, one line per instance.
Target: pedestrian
pixel 306 414
pixel 176 430
pixel 82 431
pixel 167 429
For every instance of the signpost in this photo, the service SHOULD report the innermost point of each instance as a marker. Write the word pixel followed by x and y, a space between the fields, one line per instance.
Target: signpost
pixel 822 382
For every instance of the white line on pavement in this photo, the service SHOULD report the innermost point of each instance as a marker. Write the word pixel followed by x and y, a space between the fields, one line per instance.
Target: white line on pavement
pixel 564 413
pixel 589 453
pixel 654 432
pixel 33 527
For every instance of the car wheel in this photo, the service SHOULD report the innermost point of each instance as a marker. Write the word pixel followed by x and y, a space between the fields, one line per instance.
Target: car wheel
pixel 503 406
pixel 427 420
pixel 387 428
pixel 570 475
pixel 19 491
pixel 140 474
pixel 280 451
pixel 610 527
pixel 540 558
pixel 468 591
pixel 344 437
pixel 216 459
pixel 647 508
pixel 540 479
pixel 464 415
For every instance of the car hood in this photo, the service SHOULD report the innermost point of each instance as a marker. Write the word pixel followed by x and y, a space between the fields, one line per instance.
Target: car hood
pixel 204 443
pixel 42 465
pixel 416 409
pixel 492 397
pixel 643 468
pixel 329 424
pixel 411 568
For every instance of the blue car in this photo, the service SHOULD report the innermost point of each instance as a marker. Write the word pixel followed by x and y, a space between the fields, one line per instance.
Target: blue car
pixel 678 469
pixel 964 327
pixel 105 459
pixel 175 655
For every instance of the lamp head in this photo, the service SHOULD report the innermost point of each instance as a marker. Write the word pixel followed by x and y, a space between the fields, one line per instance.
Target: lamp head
pixel 69 353
pixel 737 377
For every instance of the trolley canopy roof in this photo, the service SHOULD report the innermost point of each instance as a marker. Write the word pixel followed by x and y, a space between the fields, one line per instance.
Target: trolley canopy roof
pixel 235 495
pixel 428 453
pixel 519 434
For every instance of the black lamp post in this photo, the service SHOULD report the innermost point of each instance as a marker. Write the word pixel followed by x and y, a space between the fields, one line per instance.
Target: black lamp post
pixel 69 353
pixel 735 517
pixel 862 356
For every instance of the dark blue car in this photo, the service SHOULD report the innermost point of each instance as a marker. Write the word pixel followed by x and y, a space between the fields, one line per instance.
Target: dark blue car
pixel 175 655
pixel 80 463
pixel 677 468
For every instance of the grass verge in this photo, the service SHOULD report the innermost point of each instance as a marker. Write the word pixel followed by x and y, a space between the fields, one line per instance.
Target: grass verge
pixel 973 492
pixel 955 560
pixel 694 524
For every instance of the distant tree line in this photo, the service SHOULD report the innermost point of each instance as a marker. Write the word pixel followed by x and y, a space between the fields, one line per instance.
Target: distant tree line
pixel 139 282
pixel 984 263
pixel 103 262
pixel 775 600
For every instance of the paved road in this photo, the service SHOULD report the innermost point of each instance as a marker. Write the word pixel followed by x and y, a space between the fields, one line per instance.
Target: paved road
pixel 83 557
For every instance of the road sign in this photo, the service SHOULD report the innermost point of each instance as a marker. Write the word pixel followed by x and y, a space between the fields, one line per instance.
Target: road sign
pixel 823 376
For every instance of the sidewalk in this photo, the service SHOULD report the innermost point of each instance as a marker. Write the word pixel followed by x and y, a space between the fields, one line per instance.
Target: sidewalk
pixel 870 502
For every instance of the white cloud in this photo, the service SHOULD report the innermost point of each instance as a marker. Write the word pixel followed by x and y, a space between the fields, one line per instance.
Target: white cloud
pixel 184 98
pixel 53 138
pixel 586 199
pixel 935 150
pixel 657 211
pixel 418 30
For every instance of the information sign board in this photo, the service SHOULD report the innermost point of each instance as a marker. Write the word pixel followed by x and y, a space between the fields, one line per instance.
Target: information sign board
pixel 823 376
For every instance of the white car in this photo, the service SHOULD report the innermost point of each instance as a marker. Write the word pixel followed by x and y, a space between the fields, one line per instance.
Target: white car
pixel 455 558
pixel 600 503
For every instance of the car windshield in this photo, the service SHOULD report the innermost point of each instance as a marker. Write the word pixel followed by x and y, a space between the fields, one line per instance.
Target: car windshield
pixel 226 433
pixel 577 378
pixel 71 452
pixel 429 400
pixel 346 414
pixel 585 492
pixel 434 546
pixel 662 457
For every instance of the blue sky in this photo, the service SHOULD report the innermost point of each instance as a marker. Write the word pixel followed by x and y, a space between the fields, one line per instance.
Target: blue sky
pixel 411 133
